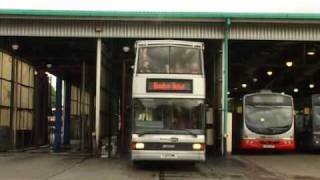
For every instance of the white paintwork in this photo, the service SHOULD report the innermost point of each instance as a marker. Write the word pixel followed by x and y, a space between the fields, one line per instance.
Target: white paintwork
pixel 229 134
pixel 139 90
pixel 145 155
pixel 170 42
pixel 166 138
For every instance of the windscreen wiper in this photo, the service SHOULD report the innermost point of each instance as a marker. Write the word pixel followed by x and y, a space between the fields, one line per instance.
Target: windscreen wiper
pixel 150 132
pixel 190 132
pixel 166 131
pixel 279 127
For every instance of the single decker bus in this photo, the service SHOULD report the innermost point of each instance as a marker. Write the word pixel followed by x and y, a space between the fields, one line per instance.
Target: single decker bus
pixel 268 122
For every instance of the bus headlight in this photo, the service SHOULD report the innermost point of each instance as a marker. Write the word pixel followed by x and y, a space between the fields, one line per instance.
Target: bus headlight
pixel 197 146
pixel 138 146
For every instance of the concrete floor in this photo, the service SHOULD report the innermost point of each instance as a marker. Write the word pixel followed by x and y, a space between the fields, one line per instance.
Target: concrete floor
pixel 291 166
pixel 43 166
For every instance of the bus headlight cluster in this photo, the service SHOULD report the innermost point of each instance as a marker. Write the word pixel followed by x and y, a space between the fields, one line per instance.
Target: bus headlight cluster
pixel 197 146
pixel 137 145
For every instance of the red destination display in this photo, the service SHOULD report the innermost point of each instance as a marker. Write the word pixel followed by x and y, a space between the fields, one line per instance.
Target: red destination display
pixel 169 85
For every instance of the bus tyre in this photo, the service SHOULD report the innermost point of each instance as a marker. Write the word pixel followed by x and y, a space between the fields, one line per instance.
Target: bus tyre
pixel 136 163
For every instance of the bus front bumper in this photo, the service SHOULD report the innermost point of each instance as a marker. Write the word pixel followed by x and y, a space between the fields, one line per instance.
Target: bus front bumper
pixel 258 144
pixel 158 155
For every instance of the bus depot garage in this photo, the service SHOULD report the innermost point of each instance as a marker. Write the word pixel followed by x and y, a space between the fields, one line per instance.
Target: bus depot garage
pixel 92 64
pixel 55 93
pixel 46 83
pixel 277 71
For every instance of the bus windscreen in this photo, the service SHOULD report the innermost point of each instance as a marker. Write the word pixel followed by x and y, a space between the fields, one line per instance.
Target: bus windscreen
pixel 268 99
pixel 168 114
pixel 268 113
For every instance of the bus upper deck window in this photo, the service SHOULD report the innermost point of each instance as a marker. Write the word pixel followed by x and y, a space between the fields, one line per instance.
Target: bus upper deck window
pixel 144 61
pixel 153 60
pixel 185 60
pixel 166 59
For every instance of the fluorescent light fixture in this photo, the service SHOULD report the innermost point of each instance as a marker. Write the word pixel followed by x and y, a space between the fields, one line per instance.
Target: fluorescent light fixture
pixel 243 85
pixel 15 46
pixel 295 90
pixel 255 79
pixel 49 66
pixel 126 49
pixel 311 86
pixel 289 63
pixel 269 73
pixel 311 53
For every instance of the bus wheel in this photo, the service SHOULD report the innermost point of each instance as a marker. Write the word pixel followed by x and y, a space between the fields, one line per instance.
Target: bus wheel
pixel 137 164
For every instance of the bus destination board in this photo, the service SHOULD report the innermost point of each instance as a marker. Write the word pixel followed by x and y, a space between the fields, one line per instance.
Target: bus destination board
pixel 169 85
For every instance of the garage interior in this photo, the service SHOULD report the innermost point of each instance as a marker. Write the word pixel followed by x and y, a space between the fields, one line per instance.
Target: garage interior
pixel 289 67
pixel 61 72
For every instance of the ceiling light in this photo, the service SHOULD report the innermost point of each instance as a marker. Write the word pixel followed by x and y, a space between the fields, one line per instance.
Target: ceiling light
pixel 311 53
pixel 295 90
pixel 228 92
pixel 269 73
pixel 15 46
pixel 235 89
pixel 49 66
pixel 244 85
pixel 289 63
pixel 283 93
pixel 311 86
pixel 126 49
pixel 255 79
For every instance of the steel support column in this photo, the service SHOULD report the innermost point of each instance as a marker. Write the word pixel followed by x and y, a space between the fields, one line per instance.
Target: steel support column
pixel 58 114
pixel 123 107
pixel 82 107
pixel 98 89
pixel 67 105
pixel 225 83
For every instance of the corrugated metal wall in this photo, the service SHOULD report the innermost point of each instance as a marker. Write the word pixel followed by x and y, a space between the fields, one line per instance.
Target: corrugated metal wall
pixel 5 88
pixel 269 31
pixel 131 29
pixel 22 83
pixel 75 110
pixel 157 29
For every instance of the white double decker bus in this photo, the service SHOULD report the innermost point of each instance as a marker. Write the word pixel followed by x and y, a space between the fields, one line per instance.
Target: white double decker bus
pixel 168 101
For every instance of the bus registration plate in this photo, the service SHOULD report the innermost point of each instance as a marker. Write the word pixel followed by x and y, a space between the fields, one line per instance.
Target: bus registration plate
pixel 268 146
pixel 168 156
